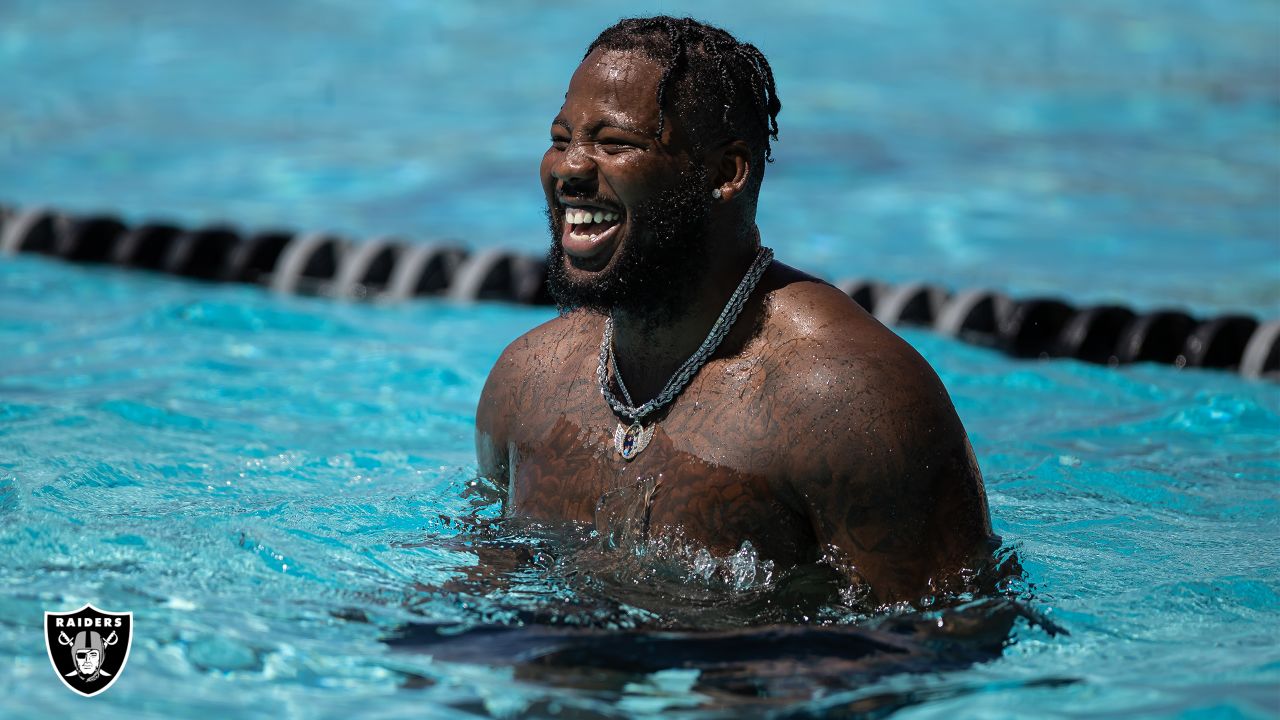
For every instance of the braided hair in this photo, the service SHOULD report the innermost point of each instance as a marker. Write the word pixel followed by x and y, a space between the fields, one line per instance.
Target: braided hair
pixel 719 87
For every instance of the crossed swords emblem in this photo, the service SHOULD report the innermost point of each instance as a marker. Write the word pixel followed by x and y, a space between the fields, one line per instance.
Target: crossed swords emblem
pixel 106 643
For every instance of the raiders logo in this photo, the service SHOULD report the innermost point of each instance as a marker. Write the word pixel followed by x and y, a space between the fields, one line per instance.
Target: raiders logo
pixel 88 647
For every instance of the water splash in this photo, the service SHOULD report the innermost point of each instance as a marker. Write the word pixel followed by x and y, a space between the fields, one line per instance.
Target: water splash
pixel 620 573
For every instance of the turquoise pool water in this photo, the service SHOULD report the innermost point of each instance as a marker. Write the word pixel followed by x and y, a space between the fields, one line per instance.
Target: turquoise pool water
pixel 1122 150
pixel 275 486
pixel 261 480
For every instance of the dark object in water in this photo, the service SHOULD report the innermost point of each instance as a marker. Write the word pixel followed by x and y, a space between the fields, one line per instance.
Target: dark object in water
pixel 1155 337
pixel 1033 326
pixel 781 662
pixel 1093 334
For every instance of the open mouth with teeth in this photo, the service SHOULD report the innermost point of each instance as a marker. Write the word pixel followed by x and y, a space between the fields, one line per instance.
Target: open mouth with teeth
pixel 589 231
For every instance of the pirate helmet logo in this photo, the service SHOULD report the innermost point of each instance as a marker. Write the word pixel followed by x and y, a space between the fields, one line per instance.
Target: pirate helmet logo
pixel 88 647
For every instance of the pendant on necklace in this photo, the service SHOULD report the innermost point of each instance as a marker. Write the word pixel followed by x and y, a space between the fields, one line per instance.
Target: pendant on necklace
pixel 630 440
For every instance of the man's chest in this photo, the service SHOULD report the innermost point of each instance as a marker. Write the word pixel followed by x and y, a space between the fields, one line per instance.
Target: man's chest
pixel 708 472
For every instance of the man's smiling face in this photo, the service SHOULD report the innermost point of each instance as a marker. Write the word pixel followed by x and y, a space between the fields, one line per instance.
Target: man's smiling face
pixel 626 207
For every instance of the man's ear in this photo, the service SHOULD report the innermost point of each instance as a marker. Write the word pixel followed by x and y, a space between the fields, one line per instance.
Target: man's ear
pixel 732 170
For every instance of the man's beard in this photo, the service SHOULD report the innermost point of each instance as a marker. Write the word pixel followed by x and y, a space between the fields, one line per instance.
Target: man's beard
pixel 658 262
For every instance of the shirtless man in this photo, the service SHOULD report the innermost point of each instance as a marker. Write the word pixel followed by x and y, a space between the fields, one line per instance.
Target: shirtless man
pixel 809 429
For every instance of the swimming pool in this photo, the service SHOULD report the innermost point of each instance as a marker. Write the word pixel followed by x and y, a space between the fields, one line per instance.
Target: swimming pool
pixel 1122 151
pixel 273 485
pixel 261 481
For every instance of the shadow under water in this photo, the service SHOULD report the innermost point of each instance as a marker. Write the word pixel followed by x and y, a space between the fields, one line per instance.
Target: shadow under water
pixel 774 665
pixel 603 610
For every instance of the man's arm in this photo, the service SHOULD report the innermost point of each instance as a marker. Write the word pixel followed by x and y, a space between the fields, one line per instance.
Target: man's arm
pixel 512 388
pixel 493 417
pixel 884 471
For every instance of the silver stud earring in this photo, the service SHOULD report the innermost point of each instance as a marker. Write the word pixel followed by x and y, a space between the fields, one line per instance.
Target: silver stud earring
pixel 716 193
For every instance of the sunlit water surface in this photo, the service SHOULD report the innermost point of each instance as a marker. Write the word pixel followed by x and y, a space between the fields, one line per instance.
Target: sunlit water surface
pixel 273 485
pixel 278 487
pixel 1123 150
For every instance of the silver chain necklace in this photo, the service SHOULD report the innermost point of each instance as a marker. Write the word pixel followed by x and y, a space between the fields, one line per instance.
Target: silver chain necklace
pixel 630 440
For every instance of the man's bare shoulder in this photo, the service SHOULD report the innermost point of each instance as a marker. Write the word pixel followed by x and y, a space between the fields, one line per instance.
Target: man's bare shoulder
pixel 531 362
pixel 845 380
pixel 814 326
pixel 545 347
